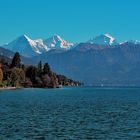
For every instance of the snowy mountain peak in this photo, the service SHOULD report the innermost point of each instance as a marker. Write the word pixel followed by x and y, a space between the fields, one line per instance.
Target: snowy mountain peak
pixel 57 37
pixel 110 37
pixel 28 47
pixel 104 39
pixel 56 42
pixel 23 37
pixel 135 42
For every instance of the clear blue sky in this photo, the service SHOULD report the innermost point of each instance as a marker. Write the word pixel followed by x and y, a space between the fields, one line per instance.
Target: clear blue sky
pixel 75 20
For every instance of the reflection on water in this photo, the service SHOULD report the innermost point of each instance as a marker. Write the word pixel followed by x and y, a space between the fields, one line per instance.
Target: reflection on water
pixel 70 114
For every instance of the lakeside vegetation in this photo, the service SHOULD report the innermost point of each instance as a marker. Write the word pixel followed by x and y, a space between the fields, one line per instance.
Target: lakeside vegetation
pixel 16 74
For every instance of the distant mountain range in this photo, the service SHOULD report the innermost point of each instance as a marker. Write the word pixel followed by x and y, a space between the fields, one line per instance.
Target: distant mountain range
pixel 104 39
pixel 98 61
pixel 29 48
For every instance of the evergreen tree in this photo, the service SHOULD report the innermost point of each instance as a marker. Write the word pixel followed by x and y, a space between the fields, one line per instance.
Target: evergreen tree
pixel 16 61
pixel 31 73
pixel 46 69
pixel 40 68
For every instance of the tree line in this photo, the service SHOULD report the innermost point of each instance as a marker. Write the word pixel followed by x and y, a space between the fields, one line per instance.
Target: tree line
pixel 16 74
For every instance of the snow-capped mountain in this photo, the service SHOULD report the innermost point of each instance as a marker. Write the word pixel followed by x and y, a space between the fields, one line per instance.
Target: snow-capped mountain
pixel 28 47
pixel 104 39
pixel 134 42
pixel 56 42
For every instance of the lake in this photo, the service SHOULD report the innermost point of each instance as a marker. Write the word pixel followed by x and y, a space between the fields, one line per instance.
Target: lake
pixel 84 113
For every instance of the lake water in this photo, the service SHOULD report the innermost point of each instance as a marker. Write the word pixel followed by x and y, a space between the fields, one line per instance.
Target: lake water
pixel 70 114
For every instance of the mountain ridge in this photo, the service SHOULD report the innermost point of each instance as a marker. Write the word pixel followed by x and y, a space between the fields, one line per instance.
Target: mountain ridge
pixel 30 48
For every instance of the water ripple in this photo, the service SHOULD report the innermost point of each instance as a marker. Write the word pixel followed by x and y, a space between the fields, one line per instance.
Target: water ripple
pixel 75 114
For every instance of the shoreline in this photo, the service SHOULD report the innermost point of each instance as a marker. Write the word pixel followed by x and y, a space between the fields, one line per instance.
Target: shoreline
pixel 9 88
pixel 60 87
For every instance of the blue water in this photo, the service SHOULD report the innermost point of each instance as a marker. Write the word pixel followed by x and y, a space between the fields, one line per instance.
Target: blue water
pixel 70 114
